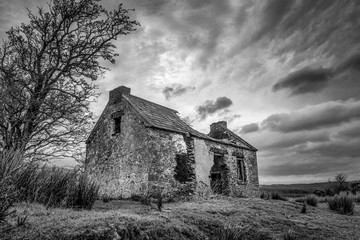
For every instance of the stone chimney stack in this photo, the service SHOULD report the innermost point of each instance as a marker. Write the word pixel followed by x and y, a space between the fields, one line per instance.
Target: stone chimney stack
pixel 116 94
pixel 218 130
pixel 220 123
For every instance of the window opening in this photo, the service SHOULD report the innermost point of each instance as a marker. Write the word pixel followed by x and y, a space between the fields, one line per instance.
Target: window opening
pixel 117 125
pixel 241 170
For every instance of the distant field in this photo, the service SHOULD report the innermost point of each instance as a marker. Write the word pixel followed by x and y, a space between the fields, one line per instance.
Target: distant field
pixel 297 190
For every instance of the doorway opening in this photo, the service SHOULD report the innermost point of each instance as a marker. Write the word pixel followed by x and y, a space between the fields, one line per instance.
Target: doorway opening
pixel 219 175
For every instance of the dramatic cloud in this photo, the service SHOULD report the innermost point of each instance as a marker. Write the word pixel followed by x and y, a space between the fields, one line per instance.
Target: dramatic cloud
pixel 352 61
pixel 273 12
pixel 247 51
pixel 350 131
pixel 176 90
pixel 314 117
pixel 252 127
pixel 210 107
pixel 305 80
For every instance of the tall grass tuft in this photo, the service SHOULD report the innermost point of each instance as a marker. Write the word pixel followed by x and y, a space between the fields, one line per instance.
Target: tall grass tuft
pixel 35 182
pixel 342 204
pixel 82 193
pixel 289 235
pixel 43 184
pixel 229 233
pixel 10 164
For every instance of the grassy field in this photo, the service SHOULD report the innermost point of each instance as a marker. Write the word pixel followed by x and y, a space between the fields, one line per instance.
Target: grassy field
pixel 120 219
pixel 298 190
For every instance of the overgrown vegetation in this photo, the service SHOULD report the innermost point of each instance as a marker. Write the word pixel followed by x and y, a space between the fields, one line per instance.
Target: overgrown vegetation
pixel 233 232
pixel 272 195
pixel 10 164
pixel 50 186
pixel 342 204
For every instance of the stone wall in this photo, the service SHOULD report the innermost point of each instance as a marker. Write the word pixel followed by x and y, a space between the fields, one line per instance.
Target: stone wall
pixel 134 160
pixel 204 159
pixel 141 158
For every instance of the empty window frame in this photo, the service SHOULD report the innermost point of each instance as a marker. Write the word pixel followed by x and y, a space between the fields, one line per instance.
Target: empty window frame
pixel 117 125
pixel 241 170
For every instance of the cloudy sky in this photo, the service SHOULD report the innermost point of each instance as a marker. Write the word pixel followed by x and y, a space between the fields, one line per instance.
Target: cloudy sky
pixel 284 74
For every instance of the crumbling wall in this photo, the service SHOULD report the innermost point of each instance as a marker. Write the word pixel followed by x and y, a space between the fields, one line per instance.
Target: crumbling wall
pixel 204 160
pixel 134 161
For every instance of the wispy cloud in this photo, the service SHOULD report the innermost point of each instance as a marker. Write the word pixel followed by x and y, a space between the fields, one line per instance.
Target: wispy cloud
pixel 176 89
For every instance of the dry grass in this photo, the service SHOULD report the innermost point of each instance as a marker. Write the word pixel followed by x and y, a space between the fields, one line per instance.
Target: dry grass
pixel 264 219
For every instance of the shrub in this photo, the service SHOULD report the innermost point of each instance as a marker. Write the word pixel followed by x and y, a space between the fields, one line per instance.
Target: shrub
pixel 82 193
pixel 160 201
pixel 355 187
pixel 277 196
pixel 311 200
pixel 303 209
pixel 135 197
pixel 146 199
pixel 105 198
pixel 319 192
pixel 341 204
pixel 330 192
pixel 356 198
pixel 264 195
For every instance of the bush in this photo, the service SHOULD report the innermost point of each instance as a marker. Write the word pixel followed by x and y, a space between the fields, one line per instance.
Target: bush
pixel 355 187
pixel 356 198
pixel 311 200
pixel 320 193
pixel 341 204
pixel 303 209
pixel 159 201
pixel 146 198
pixel 277 196
pixel 330 192
pixel 264 195
pixel 105 198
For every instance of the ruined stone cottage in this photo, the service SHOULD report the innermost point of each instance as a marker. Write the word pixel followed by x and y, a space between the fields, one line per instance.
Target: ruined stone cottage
pixel 137 146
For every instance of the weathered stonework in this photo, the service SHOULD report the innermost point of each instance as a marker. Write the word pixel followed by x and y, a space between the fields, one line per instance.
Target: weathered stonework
pixel 141 156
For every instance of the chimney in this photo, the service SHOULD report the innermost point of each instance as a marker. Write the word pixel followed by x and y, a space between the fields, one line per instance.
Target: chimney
pixel 217 130
pixel 116 93
pixel 220 123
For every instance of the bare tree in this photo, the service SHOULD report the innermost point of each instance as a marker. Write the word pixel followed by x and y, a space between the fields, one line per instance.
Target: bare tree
pixel 46 71
pixel 341 179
